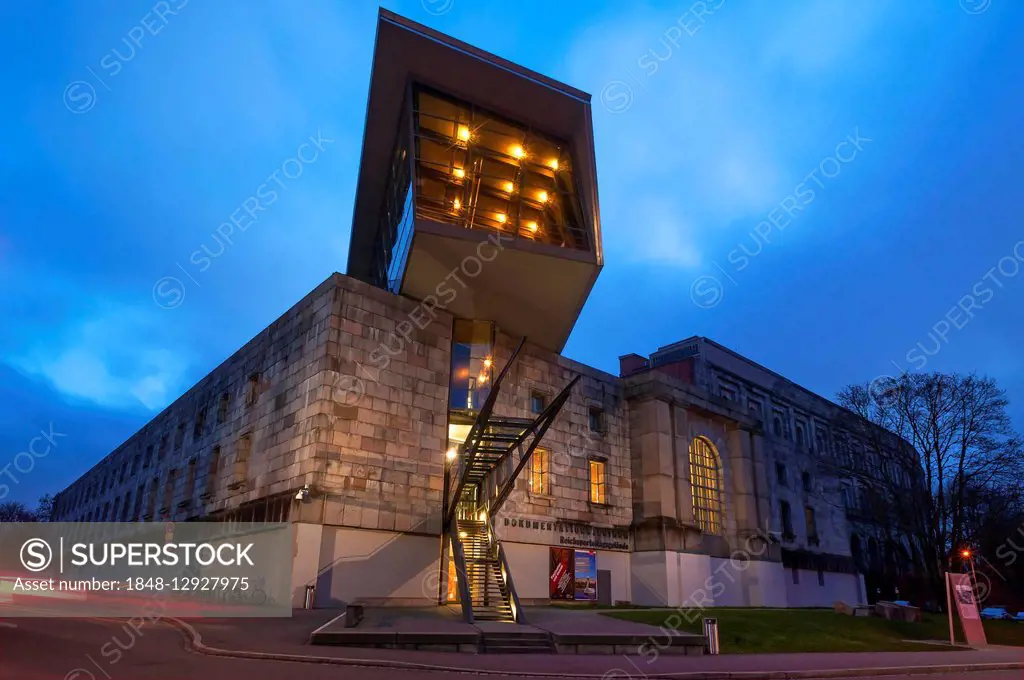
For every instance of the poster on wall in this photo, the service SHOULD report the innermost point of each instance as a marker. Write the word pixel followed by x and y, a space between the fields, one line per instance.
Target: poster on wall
pixel 586 576
pixel 561 574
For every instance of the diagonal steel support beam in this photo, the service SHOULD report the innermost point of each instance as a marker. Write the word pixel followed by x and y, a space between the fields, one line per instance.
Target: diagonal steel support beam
pixel 539 427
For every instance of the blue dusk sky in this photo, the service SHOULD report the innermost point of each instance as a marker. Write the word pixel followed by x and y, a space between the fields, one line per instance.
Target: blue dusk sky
pixel 829 187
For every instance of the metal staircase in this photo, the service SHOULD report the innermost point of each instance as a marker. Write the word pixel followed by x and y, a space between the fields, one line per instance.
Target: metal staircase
pixel 489 591
pixel 495 451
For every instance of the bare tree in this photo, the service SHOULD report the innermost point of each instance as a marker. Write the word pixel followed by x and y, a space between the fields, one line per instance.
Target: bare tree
pixel 13 511
pixel 44 511
pixel 931 441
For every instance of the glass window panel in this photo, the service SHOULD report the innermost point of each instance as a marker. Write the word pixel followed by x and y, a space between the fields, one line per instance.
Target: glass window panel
pixel 480 171
pixel 472 364
pixel 705 486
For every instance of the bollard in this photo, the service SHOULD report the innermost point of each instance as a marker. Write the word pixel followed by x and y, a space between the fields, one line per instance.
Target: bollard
pixel 310 597
pixel 711 635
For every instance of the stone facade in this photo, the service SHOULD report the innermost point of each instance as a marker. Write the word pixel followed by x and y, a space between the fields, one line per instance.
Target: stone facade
pixel 336 418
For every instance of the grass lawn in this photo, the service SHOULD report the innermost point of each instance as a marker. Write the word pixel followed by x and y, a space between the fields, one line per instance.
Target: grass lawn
pixel 758 631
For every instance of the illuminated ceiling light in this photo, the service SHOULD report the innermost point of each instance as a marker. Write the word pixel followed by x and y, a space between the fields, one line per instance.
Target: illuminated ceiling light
pixel 450 454
pixel 459 173
pixel 542 196
pixel 463 534
pixel 483 516
pixel 487 362
pixel 553 163
pixel 532 226
pixel 482 378
pixel 502 218
pixel 509 187
pixel 463 133
pixel 517 151
pixel 457 204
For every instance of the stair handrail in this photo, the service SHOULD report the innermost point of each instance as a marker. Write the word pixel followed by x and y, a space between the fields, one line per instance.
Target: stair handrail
pixel 506 573
pixel 462 576
pixel 476 430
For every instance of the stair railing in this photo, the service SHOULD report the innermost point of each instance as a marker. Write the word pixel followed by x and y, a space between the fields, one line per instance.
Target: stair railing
pixel 462 580
pixel 518 615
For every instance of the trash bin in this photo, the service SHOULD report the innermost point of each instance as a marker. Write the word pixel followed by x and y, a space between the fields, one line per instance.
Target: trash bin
pixel 310 597
pixel 711 635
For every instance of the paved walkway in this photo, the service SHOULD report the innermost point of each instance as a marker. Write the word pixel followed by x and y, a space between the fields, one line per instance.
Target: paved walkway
pixel 281 638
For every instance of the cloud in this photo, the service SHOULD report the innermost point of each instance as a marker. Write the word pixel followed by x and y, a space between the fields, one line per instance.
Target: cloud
pixel 112 358
pixel 721 121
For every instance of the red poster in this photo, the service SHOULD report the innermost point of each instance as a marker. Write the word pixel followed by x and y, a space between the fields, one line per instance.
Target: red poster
pixel 563 574
pixel 962 592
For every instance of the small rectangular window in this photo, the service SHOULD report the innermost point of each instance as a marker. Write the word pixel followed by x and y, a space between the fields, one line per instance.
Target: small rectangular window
pixel 821 577
pixel 806 478
pixel 787 519
pixel 538 401
pixel 200 425
pixel 539 472
pixel 212 472
pixel 222 408
pixel 596 419
pixel 242 453
pixel 780 474
pixel 812 524
pixel 252 390
pixel 597 482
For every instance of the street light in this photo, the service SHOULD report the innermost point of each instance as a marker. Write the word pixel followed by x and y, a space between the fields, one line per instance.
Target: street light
pixel 966 554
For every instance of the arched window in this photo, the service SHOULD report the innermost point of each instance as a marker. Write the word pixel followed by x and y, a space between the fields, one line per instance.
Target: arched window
pixel 705 486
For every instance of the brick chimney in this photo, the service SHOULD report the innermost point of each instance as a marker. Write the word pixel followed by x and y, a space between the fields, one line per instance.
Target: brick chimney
pixel 632 363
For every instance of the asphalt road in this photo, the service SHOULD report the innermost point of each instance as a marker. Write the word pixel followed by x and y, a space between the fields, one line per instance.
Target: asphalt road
pixel 75 649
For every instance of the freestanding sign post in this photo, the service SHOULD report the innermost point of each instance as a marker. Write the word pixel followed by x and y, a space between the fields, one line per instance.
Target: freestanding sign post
pixel 960 590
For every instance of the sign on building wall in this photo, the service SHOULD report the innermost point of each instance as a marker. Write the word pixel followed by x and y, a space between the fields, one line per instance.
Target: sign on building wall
pixel 586 576
pixel 564 533
pixel 561 574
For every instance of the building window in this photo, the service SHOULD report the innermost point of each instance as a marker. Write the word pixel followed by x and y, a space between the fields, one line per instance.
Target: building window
pixel 539 472
pixel 538 402
pixel 596 419
pixel 179 436
pixel 252 391
pixel 477 170
pixel 597 482
pixel 126 510
pixel 812 525
pixel 172 477
pixel 799 435
pixel 162 451
pixel 777 426
pixel 780 475
pixel 222 408
pixel 154 488
pixel 200 425
pixel 705 486
pixel 821 577
pixel 242 453
pixel 787 520
pixel 472 364
pixel 212 472
pixel 806 481
pixel 190 482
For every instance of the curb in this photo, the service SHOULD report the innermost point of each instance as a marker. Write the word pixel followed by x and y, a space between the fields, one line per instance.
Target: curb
pixel 194 643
